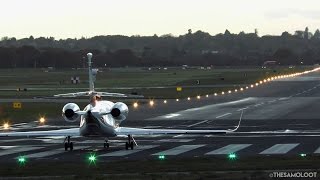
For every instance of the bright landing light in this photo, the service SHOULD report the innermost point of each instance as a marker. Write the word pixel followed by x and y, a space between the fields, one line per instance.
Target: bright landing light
pixel 151 103
pixel 6 126
pixel 42 120
pixel 21 160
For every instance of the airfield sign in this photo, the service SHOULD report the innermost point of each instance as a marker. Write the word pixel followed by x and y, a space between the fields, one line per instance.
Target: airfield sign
pixel 17 105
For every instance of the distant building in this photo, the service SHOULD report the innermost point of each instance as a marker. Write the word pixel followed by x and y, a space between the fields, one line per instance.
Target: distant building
pixel 268 64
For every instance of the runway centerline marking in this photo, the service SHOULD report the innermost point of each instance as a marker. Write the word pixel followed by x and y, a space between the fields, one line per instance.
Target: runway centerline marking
pixel 223 115
pixel 128 152
pixel 179 150
pixel 279 149
pixel 198 123
pixel 231 148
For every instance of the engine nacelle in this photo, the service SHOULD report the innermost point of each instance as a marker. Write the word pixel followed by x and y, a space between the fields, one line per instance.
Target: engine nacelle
pixel 69 112
pixel 119 111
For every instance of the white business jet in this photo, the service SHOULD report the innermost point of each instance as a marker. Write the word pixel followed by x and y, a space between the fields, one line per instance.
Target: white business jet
pixel 103 118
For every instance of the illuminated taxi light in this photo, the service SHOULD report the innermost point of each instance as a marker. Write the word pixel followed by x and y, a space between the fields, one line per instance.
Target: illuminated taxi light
pixel 252 85
pixel 92 158
pixel 215 94
pixel 272 78
pixel 165 101
pixel 232 156
pixel 135 105
pixel 6 126
pixel 303 155
pixel 207 95
pixel 189 98
pixel 22 160
pixel 241 89
pixel 236 90
pixel 257 84
pixel 161 157
pixel 151 103
pixel 42 120
pixel 177 100
pixel 264 80
pixel 247 87
pixel 198 97
pixel 222 93
pixel 229 92
pixel 260 82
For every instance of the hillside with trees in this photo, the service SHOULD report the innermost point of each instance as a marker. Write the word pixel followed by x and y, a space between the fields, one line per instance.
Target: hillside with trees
pixel 193 48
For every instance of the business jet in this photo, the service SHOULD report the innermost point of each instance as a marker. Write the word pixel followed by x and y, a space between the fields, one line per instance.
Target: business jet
pixel 101 118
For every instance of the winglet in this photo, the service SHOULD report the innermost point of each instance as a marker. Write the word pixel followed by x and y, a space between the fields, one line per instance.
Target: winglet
pixel 237 127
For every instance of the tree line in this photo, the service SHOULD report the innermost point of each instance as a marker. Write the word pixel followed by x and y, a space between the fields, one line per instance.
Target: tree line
pixel 198 48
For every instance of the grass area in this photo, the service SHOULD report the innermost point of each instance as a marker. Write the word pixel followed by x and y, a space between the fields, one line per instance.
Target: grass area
pixel 133 77
pixel 187 168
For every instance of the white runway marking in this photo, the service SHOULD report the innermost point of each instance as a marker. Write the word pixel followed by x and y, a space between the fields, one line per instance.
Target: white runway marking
pixel 198 123
pixel 128 152
pixel 7 147
pixel 171 115
pixel 231 148
pixel 52 152
pixel 279 149
pixel 243 109
pixel 18 150
pixel 317 151
pixel 223 115
pixel 174 140
pixel 258 104
pixel 179 150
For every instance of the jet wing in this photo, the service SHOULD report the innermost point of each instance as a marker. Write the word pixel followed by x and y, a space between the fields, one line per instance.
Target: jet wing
pixel 60 132
pixel 121 131
pixel 107 94
pixel 73 94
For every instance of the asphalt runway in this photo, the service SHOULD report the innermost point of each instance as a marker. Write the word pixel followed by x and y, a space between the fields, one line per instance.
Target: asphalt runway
pixel 281 118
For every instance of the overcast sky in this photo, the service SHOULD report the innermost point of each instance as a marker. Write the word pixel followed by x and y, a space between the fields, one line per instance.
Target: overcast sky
pixel 77 18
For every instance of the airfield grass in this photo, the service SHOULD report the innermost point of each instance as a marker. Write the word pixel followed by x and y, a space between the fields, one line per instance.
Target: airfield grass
pixel 258 167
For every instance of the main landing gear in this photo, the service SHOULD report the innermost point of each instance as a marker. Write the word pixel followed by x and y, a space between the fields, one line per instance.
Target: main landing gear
pixel 106 144
pixel 129 143
pixel 68 144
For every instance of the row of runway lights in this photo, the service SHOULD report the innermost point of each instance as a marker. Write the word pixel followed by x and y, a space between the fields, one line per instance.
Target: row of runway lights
pixel 152 102
pixel 91 158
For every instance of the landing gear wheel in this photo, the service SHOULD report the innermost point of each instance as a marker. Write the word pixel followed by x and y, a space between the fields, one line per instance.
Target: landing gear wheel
pixel 127 145
pixel 68 144
pixel 106 145
pixel 131 145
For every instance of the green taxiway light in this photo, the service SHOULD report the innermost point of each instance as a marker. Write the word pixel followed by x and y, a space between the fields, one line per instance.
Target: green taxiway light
pixel 92 158
pixel 21 160
pixel 232 156
pixel 303 155
pixel 161 157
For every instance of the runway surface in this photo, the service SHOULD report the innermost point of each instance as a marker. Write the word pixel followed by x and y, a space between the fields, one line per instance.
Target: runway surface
pixel 280 118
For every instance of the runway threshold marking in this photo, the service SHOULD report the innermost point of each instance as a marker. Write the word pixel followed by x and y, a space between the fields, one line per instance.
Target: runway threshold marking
pixel 128 152
pixel 18 150
pixel 279 149
pixel 52 152
pixel 198 123
pixel 231 148
pixel 223 115
pixel 179 150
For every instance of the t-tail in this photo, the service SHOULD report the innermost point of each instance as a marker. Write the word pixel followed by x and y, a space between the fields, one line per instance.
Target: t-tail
pixel 91 83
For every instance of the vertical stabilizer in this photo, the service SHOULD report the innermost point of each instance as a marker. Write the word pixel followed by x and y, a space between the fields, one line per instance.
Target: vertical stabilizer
pixel 91 84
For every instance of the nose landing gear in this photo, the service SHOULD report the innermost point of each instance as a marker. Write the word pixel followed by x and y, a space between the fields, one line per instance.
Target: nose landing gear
pixel 68 144
pixel 130 144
